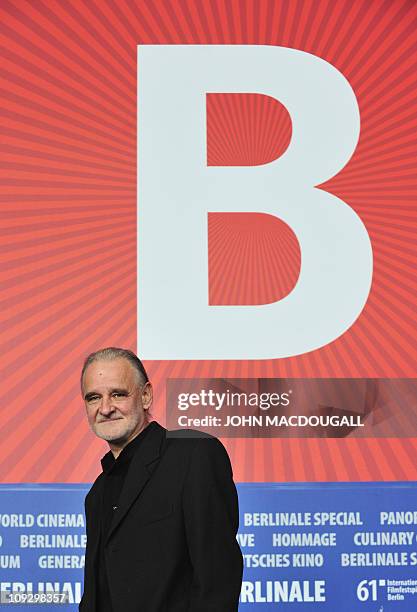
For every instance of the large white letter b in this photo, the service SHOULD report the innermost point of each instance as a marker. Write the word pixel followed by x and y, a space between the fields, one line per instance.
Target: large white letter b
pixel 176 191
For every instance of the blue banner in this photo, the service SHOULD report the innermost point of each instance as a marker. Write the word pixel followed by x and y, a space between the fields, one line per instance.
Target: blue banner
pixel 329 546
pixel 325 546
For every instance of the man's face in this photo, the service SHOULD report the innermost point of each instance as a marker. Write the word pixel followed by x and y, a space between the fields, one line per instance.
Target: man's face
pixel 116 401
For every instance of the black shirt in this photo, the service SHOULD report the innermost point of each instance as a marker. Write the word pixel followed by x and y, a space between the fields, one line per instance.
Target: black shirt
pixel 115 471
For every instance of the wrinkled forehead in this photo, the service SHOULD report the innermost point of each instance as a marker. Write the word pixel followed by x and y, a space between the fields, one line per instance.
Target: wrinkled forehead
pixel 110 373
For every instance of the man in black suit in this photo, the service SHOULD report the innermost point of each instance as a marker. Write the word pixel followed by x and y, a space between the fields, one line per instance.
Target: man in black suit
pixel 162 516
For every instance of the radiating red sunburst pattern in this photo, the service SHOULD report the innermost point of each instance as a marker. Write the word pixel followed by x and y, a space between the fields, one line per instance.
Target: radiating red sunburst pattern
pixel 253 258
pixel 68 193
pixel 245 129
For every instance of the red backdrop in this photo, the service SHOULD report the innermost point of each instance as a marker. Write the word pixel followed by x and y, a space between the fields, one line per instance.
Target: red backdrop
pixel 68 200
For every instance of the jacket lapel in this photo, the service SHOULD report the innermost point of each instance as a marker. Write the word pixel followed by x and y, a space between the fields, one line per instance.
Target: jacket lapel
pixel 140 470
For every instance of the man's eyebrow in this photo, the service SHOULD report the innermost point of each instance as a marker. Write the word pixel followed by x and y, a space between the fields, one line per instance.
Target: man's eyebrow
pixel 90 394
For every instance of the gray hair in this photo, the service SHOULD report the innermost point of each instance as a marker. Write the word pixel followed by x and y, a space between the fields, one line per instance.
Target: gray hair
pixel 109 354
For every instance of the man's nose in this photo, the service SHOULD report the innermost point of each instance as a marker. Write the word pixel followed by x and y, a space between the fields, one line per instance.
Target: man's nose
pixel 106 406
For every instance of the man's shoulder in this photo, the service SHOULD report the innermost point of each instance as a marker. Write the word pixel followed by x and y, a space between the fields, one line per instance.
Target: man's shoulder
pixel 195 443
pixel 188 434
pixel 191 438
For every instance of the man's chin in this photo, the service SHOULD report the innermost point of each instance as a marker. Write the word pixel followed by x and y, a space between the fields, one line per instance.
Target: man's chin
pixel 109 432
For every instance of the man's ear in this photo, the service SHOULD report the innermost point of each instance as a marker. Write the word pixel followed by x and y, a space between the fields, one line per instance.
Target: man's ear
pixel 147 395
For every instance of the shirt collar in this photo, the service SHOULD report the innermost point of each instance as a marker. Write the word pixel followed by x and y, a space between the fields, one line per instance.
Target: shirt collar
pixel 127 453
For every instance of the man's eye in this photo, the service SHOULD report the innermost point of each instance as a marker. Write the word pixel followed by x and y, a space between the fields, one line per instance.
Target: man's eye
pixel 92 399
pixel 118 395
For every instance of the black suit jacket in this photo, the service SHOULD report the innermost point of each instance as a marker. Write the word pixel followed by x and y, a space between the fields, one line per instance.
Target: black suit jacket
pixel 172 544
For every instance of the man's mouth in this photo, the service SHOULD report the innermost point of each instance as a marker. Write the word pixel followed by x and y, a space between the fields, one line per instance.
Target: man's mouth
pixel 110 420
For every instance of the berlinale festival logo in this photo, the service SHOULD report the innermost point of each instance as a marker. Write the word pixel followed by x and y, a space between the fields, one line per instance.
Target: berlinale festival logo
pixel 177 190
